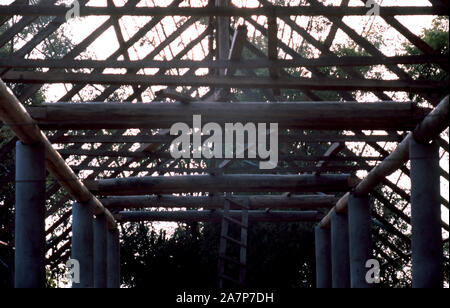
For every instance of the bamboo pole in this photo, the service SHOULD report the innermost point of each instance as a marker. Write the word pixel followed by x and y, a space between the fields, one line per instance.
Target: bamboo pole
pixel 16 117
pixel 432 125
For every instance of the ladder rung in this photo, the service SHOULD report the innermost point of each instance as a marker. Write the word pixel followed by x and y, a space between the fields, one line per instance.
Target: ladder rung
pixel 235 221
pixel 231 260
pixel 234 240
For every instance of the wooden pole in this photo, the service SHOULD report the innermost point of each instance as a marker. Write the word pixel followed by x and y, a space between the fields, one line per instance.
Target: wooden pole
pixel 14 114
pixel 216 215
pixel 323 257
pixel 61 10
pixel 82 243
pixel 413 86
pixel 426 238
pixel 340 259
pixel 29 235
pixel 432 125
pixel 100 251
pixel 360 240
pixel 304 115
pixel 113 259
pixel 219 183
pixel 303 202
pixel 231 64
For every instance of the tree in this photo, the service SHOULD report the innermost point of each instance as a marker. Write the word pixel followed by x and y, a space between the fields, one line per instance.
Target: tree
pixel 437 38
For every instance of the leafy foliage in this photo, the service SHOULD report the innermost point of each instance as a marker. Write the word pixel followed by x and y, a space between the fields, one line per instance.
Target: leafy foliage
pixel 437 38
pixel 279 255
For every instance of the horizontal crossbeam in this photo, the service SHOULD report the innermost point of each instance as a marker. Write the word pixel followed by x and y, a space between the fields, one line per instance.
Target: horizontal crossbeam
pixel 18 63
pixel 304 115
pixel 220 183
pixel 304 202
pixel 216 216
pixel 413 86
pixel 335 11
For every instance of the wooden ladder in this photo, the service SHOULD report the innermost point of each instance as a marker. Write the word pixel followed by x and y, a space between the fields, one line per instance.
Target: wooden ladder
pixel 228 262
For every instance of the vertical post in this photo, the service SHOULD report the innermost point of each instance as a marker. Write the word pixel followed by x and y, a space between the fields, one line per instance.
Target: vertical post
pixel 340 267
pixel 426 241
pixel 223 46
pixel 29 256
pixel 100 231
pixel 360 239
pixel 223 34
pixel 113 259
pixel 82 242
pixel 323 257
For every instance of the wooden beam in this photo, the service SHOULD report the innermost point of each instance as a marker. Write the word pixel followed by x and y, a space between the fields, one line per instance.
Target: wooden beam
pixel 166 155
pixel 81 46
pixel 413 86
pixel 14 114
pixel 341 168
pixel 414 39
pixel 237 46
pixel 215 216
pixel 300 137
pixel 329 155
pixel 111 139
pixel 222 32
pixel 219 183
pixel 153 22
pixel 17 27
pixel 41 35
pixel 370 48
pixel 304 202
pixel 430 128
pixel 17 63
pixel 305 115
pixel 4 19
pixel 272 49
pixel 60 10
pixel 167 93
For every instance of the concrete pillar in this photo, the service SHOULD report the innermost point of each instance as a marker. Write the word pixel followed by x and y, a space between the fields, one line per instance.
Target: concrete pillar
pixel 360 239
pixel 426 241
pixel 100 231
pixel 340 267
pixel 82 242
pixel 113 259
pixel 323 257
pixel 29 256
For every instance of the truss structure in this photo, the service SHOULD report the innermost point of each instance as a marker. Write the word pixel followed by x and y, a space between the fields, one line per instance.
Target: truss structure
pixel 109 121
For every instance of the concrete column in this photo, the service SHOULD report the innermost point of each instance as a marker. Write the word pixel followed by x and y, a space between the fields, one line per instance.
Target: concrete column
pixel 360 239
pixel 340 267
pixel 426 241
pixel 29 256
pixel 82 242
pixel 323 257
pixel 113 259
pixel 100 231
